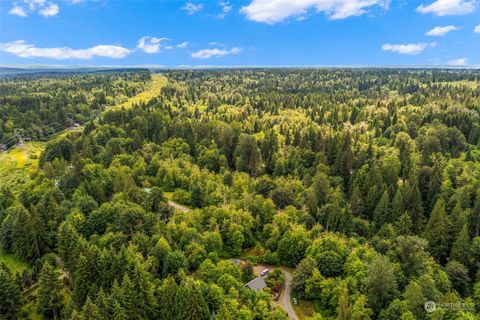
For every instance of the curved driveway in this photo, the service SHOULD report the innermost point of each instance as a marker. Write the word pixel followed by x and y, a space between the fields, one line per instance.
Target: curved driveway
pixel 284 300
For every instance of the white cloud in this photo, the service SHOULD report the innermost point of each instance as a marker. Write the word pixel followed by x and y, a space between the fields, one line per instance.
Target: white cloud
pixel 32 4
pixel 458 62
pixel 412 48
pixel 43 7
pixel 226 8
pixel 210 53
pixel 50 11
pixel 192 8
pixel 441 31
pixel 17 11
pixel 22 49
pixel 150 44
pixel 46 8
pixel 271 12
pixel 449 7
pixel 477 29
pixel 182 45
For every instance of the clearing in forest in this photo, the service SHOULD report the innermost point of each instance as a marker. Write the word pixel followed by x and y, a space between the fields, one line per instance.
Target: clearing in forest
pixel 153 90
pixel 15 163
pixel 12 261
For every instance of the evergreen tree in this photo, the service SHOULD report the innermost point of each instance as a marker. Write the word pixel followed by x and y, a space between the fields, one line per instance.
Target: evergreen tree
pixel 103 303
pixel 10 295
pixel 49 291
pixel 91 311
pixel 143 298
pixel 398 207
pixel 6 200
pixel 357 205
pixel 197 196
pixel 437 232
pixel 247 155
pixel 195 306
pixel 68 242
pixel 81 279
pixel 118 312
pixel 27 233
pixel 382 213
pixel 129 294
pixel 457 219
pixel 166 296
pixel 461 247
pixel 269 147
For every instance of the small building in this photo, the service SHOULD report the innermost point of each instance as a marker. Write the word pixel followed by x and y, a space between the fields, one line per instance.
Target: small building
pixel 257 284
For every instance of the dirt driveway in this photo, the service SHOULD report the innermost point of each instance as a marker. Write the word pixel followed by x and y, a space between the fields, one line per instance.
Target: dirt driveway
pixel 284 300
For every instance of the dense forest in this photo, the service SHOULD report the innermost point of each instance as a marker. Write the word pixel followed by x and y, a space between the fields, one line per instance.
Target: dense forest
pixel 364 184
pixel 41 107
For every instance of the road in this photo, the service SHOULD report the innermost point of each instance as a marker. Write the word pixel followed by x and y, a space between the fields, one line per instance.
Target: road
pixel 177 206
pixel 284 300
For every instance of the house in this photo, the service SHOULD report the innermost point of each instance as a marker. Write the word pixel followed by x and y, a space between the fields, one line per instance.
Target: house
pixel 257 284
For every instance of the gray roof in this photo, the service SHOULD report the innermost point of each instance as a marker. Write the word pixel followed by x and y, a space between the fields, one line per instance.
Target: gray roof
pixel 257 284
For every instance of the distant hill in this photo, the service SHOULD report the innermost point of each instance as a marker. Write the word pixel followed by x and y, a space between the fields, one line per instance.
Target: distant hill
pixel 13 72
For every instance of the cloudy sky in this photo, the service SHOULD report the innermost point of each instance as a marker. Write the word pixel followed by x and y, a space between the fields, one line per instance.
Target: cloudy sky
pixel 240 33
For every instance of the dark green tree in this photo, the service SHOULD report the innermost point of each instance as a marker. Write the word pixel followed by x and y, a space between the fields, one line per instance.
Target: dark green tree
pixel 49 291
pixel 10 295
pixel 437 232
pixel 247 155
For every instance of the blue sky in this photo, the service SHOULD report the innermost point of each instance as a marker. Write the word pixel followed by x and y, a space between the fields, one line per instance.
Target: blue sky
pixel 240 33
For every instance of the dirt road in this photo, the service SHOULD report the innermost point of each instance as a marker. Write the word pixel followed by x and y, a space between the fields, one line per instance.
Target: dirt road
pixel 284 300
pixel 177 206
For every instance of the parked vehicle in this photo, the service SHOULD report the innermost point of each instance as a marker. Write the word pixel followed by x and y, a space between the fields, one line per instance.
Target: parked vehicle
pixel 264 272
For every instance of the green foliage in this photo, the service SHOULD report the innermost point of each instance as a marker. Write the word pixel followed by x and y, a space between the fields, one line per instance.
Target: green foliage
pixel 437 232
pixel 9 295
pixel 365 182
pixel 49 294
pixel 381 283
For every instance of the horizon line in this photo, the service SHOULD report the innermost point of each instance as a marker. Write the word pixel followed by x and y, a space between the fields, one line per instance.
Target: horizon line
pixel 186 67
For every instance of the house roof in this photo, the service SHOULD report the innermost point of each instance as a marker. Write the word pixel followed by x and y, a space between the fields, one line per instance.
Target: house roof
pixel 257 284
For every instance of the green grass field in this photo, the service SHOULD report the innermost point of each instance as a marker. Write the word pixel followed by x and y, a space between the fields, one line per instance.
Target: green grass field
pixel 158 81
pixel 12 261
pixel 15 163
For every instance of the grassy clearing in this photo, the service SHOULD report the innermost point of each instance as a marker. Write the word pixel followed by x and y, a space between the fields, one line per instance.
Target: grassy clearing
pixel 31 308
pixel 153 90
pixel 15 163
pixel 12 261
